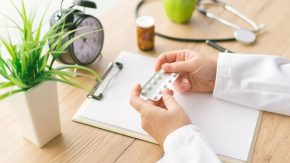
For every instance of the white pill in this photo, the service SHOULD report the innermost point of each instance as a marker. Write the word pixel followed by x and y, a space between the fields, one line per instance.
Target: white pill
pixel 144 92
pixel 174 75
pixel 165 86
pixel 160 92
pixel 155 97
pixel 153 81
pixel 158 76
pixel 162 71
pixel 149 87
pixel 169 81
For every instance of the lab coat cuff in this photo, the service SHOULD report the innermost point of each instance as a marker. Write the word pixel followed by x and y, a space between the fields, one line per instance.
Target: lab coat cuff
pixel 173 138
pixel 222 75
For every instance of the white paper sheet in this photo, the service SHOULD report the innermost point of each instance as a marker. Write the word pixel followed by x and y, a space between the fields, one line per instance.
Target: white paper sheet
pixel 229 127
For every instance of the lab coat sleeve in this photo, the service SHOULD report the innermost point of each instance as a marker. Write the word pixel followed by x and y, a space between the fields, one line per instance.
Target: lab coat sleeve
pixel 187 145
pixel 257 81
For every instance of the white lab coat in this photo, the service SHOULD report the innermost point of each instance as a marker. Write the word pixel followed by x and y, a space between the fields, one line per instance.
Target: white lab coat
pixel 256 81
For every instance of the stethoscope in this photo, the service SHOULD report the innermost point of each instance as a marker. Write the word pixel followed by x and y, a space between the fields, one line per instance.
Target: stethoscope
pixel 243 35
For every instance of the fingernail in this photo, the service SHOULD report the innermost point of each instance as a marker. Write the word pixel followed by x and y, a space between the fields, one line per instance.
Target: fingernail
pixel 184 81
pixel 136 86
pixel 164 95
pixel 165 91
pixel 185 85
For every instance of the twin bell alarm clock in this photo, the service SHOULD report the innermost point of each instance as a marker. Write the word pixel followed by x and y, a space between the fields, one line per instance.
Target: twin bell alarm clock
pixel 87 48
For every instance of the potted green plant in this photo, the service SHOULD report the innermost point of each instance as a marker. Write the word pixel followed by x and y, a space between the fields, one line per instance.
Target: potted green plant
pixel 30 76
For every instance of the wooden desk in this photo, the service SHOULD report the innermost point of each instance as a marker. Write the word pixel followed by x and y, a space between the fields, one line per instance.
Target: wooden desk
pixel 81 143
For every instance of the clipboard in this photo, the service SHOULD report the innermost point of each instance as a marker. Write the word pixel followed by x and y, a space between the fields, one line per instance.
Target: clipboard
pixel 99 89
pixel 231 129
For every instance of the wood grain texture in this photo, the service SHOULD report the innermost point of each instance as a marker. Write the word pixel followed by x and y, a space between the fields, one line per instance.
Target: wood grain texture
pixel 81 143
pixel 141 149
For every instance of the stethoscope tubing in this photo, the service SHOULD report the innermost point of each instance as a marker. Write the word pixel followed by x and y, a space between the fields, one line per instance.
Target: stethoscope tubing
pixel 173 38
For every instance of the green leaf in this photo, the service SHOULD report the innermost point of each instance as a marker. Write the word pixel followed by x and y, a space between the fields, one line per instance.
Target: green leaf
pixel 10 93
pixel 65 45
pixel 13 21
pixel 16 82
pixel 9 48
pixel 80 68
pixel 50 78
pixel 6 85
pixel 3 66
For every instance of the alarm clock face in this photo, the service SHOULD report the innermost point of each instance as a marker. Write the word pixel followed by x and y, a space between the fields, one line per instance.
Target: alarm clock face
pixel 88 47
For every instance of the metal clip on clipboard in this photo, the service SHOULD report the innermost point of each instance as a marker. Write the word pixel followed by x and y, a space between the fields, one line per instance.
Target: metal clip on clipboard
pixel 98 90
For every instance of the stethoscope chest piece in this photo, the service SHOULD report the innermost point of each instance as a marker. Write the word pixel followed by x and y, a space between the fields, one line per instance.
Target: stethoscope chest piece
pixel 245 36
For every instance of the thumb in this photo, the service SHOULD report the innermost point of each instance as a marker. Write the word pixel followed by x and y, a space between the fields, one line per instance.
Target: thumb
pixel 169 102
pixel 181 66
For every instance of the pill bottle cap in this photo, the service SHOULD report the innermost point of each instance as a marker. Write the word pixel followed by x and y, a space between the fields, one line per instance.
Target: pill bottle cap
pixel 145 21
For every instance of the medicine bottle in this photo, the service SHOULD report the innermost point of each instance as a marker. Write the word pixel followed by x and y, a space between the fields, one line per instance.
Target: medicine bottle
pixel 145 32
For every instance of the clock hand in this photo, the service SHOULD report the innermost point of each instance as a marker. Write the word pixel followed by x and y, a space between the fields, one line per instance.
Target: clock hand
pixel 82 46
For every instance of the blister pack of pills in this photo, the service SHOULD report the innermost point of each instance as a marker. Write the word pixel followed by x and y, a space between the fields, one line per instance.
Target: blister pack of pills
pixel 154 87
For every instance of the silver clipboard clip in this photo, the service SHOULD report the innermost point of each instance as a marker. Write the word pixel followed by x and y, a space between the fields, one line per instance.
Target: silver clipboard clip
pixel 98 90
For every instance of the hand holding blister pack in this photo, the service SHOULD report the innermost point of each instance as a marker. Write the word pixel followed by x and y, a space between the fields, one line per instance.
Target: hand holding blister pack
pixel 160 81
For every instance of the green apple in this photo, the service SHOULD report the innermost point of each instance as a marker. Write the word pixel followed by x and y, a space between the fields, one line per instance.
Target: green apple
pixel 179 11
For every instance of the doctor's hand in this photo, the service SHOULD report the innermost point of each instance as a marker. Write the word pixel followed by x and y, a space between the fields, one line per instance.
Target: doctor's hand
pixel 161 118
pixel 197 72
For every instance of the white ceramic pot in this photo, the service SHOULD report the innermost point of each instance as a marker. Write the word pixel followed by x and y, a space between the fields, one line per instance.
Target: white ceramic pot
pixel 37 112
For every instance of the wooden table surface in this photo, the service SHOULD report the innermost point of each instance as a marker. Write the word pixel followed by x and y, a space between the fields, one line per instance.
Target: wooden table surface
pixel 81 143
